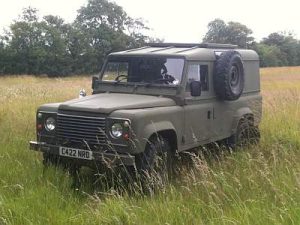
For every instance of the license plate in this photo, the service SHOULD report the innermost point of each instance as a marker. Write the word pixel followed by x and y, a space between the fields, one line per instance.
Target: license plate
pixel 75 153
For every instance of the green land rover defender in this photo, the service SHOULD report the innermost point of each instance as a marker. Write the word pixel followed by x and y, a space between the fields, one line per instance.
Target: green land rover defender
pixel 156 100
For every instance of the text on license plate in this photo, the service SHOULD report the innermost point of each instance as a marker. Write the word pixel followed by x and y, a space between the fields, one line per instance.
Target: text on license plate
pixel 75 153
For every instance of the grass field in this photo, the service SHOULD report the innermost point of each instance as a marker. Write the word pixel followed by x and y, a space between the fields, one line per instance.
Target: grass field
pixel 259 185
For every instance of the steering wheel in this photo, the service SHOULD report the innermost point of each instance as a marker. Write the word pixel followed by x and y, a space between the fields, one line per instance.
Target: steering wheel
pixel 120 76
pixel 164 80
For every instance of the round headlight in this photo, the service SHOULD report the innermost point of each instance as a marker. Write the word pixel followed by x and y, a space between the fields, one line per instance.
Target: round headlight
pixel 116 130
pixel 50 124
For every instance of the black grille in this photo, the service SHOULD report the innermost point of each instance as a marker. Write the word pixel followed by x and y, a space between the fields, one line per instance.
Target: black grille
pixel 74 128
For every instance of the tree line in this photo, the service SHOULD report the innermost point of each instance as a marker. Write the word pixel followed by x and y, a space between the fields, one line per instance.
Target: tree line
pixel 277 49
pixel 51 46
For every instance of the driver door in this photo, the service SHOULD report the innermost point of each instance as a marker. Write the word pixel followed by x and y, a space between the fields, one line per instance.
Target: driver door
pixel 198 110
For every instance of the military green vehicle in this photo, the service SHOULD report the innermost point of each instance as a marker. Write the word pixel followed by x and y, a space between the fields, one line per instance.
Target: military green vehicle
pixel 154 101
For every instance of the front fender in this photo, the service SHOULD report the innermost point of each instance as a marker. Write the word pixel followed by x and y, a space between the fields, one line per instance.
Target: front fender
pixel 149 130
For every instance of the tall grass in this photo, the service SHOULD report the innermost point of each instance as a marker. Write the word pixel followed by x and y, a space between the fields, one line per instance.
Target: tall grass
pixel 257 185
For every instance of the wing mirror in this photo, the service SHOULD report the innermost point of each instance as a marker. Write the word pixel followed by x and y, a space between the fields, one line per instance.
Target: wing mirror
pixel 195 87
pixel 95 80
pixel 82 93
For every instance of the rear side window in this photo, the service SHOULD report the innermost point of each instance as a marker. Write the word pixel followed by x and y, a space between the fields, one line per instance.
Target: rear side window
pixel 197 72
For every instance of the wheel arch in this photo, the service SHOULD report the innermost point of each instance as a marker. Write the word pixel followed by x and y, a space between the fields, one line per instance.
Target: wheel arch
pixel 164 129
pixel 243 113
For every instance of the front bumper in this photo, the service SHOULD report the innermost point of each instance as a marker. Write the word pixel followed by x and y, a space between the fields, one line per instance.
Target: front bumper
pixel 106 158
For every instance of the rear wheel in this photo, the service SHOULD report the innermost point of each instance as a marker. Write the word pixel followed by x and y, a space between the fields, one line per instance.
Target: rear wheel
pixel 246 134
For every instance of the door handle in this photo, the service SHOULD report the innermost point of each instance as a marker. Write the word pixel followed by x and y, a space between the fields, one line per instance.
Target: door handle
pixel 208 114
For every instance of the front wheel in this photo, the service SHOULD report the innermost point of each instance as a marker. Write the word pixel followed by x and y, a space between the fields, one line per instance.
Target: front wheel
pixel 156 162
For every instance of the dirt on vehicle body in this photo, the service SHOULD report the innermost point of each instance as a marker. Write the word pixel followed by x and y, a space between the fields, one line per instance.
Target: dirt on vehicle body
pixel 154 101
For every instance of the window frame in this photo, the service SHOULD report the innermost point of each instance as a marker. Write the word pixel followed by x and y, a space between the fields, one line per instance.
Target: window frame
pixel 186 87
pixel 115 58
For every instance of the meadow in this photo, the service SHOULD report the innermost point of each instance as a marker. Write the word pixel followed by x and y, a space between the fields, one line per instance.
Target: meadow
pixel 257 185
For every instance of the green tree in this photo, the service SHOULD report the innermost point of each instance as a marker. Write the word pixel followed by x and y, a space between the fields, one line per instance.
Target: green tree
pixel 51 46
pixel 25 43
pixel 270 55
pixel 39 47
pixel 3 56
pixel 288 46
pixel 55 44
pixel 239 34
pixel 106 28
pixel 231 33
pixel 6 56
pixel 217 32
pixel 298 53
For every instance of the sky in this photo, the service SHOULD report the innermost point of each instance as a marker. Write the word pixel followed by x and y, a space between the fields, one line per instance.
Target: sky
pixel 179 21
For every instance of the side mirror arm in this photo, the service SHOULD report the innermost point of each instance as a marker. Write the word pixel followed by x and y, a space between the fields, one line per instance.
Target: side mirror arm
pixel 95 80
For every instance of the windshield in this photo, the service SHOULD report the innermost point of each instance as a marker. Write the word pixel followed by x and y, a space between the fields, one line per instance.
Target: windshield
pixel 164 71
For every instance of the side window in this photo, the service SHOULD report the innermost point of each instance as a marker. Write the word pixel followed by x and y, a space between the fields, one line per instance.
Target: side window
pixel 198 72
pixel 204 77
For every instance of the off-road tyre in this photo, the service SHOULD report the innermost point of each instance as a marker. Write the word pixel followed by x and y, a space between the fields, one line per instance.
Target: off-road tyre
pixel 229 76
pixel 156 162
pixel 246 134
